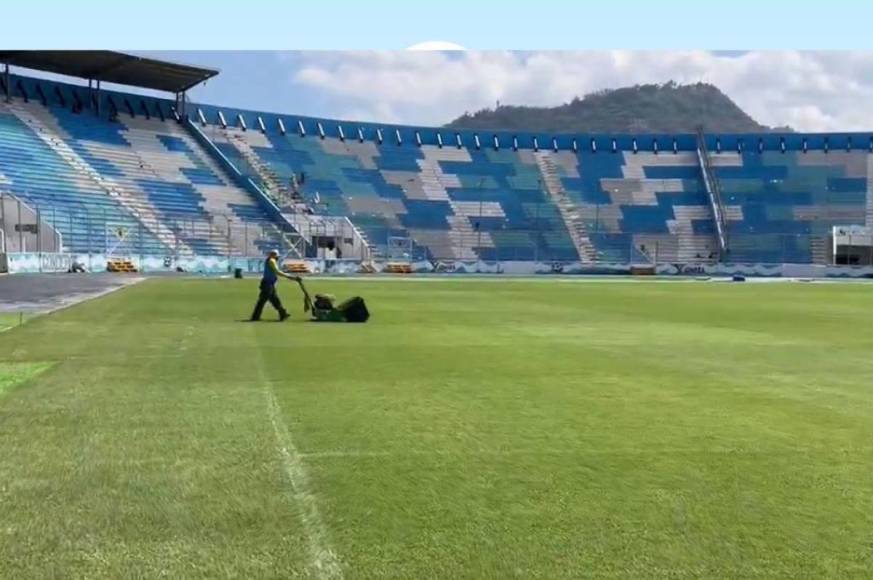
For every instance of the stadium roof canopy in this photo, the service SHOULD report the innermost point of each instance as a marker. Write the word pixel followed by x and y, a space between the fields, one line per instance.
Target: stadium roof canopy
pixel 111 67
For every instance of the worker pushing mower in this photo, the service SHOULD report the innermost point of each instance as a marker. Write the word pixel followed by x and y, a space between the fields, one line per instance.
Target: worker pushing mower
pixel 323 308
pixel 268 288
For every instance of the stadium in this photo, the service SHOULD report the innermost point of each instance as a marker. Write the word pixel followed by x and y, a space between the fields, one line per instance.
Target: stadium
pixel 573 366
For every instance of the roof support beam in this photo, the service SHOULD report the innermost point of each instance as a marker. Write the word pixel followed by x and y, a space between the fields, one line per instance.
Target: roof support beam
pixel 94 95
pixel 181 104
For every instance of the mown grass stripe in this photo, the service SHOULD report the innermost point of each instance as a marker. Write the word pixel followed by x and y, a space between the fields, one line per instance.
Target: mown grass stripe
pixel 13 374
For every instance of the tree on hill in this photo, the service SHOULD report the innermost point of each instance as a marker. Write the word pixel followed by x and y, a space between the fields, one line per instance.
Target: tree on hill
pixel 667 108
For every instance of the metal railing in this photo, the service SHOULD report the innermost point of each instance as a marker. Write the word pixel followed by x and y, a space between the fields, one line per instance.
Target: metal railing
pixel 713 190
pixel 649 249
pixel 54 228
pixel 24 228
pixel 319 231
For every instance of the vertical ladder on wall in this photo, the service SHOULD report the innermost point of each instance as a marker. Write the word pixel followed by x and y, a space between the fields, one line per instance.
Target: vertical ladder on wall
pixel 713 192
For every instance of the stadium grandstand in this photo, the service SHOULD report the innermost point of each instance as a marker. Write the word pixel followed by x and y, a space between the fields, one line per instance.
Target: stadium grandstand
pixel 117 174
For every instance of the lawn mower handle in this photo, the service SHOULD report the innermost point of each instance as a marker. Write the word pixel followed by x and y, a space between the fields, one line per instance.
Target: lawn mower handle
pixel 307 300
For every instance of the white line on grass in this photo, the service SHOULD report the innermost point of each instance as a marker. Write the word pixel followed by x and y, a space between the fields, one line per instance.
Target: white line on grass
pixel 576 452
pixel 186 338
pixel 81 299
pixel 69 303
pixel 5 328
pixel 324 561
pixel 33 308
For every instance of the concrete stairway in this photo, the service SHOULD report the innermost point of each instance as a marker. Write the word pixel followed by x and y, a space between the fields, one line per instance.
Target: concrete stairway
pixel 691 247
pixel 281 194
pixel 573 219
pixel 820 247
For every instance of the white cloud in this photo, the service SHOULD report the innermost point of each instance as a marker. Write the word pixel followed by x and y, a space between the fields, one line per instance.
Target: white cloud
pixel 811 91
pixel 436 45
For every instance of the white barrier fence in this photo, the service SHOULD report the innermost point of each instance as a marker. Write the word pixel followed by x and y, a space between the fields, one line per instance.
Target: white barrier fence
pixel 54 262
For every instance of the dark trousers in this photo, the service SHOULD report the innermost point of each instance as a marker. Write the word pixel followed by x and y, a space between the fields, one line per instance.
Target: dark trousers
pixel 268 294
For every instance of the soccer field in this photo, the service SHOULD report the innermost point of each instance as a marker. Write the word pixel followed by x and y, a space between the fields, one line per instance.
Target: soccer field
pixel 473 428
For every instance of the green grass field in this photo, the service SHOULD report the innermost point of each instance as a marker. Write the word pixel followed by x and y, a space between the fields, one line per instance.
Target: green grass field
pixel 476 429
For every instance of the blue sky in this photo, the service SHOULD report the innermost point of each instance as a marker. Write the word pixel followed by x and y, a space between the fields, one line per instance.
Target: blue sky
pixel 479 24
pixel 696 41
